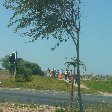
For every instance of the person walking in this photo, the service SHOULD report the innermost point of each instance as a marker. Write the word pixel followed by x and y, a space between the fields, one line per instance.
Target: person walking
pixel 60 74
pixel 65 74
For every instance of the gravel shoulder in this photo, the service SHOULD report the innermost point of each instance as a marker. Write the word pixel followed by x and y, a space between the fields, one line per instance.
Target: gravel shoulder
pixel 12 107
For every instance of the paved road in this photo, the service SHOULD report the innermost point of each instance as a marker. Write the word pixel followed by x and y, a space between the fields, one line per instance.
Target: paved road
pixel 47 97
pixel 34 96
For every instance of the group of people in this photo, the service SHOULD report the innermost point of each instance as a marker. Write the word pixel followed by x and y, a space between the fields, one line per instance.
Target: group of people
pixel 55 73
pixel 61 74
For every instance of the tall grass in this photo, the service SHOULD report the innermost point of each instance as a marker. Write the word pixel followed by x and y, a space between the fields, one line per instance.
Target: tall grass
pixel 38 82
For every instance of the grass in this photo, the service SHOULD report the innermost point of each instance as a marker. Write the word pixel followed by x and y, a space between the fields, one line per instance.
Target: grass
pixel 41 83
pixel 103 86
pixel 47 83
pixel 53 84
pixel 38 82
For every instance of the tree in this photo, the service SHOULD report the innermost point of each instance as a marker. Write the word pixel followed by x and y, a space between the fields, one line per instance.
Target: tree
pixel 42 18
pixel 23 73
pixel 5 64
pixel 36 69
pixel 24 69
pixel 74 64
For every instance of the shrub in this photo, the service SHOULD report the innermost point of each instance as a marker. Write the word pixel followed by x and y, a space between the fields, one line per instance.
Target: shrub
pixel 24 75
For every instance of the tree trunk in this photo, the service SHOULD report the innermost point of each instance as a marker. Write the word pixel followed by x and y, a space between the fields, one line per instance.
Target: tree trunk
pixel 71 97
pixel 78 74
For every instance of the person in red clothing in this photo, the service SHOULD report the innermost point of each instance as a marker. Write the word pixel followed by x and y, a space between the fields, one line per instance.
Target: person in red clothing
pixel 60 74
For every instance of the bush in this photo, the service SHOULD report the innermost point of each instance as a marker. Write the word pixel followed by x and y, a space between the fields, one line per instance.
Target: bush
pixel 24 68
pixel 24 75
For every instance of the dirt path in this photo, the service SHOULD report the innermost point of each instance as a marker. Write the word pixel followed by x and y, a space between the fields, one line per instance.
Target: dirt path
pixel 105 94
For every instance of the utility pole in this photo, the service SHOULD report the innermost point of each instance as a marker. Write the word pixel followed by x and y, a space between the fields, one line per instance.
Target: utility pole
pixel 15 68
pixel 13 61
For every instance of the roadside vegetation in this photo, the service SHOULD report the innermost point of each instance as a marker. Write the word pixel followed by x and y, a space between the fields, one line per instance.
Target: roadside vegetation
pixel 37 82
pixel 22 68
pixel 18 107
pixel 103 86
pixel 99 108
pixel 30 76
pixel 53 84
pixel 99 83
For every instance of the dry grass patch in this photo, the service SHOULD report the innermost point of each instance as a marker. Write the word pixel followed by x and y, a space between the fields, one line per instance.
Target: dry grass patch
pixel 14 107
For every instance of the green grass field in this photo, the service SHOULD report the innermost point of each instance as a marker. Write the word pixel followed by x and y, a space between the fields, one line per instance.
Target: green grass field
pixel 38 82
pixel 53 84
pixel 103 86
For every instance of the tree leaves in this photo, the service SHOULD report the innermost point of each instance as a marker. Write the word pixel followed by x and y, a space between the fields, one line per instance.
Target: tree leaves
pixel 74 63
pixel 41 18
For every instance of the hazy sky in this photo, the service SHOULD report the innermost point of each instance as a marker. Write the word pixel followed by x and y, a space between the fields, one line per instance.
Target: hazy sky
pixel 95 41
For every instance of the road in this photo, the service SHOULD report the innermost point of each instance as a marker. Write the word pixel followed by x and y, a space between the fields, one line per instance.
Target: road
pixel 47 97
pixel 33 96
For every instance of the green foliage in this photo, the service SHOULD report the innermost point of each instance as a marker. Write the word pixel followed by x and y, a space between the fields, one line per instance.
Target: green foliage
pixel 5 62
pixel 35 68
pixel 74 63
pixel 44 17
pixel 37 82
pixel 48 83
pixel 24 69
pixel 104 86
pixel 25 75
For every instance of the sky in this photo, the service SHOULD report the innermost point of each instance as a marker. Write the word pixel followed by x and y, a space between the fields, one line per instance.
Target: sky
pixel 95 41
